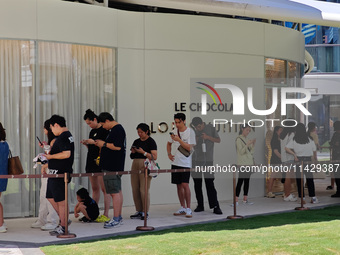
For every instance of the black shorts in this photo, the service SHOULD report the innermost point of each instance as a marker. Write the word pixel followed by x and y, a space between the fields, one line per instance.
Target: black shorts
pixel 56 189
pixel 92 212
pixel 182 177
pixel 93 170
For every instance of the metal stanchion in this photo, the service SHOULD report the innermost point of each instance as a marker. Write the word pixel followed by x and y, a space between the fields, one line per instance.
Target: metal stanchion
pixel 235 216
pixel 67 234
pixel 301 208
pixel 145 227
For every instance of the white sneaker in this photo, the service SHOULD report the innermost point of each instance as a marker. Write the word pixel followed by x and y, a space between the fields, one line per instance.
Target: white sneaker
pixel 48 226
pixel 3 229
pixel 270 195
pixel 37 224
pixel 232 205
pixel 314 200
pixel 111 224
pixel 290 198
pixel 189 213
pixel 181 211
pixel 247 202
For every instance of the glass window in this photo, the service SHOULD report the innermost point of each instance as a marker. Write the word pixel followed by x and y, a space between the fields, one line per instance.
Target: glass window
pixel 72 79
pixel 17 117
pixel 275 71
pixel 39 79
pixel 294 74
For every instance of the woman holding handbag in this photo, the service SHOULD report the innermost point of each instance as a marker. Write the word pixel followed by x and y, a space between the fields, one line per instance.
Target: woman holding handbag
pixel 143 148
pixel 4 151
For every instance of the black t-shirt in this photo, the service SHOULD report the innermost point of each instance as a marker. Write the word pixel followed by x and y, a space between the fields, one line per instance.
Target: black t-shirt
pixel 200 156
pixel 111 160
pixel 91 208
pixel 93 150
pixel 64 142
pixel 275 144
pixel 148 145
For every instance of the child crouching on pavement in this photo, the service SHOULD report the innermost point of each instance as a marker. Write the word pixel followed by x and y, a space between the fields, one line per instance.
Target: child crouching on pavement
pixel 86 205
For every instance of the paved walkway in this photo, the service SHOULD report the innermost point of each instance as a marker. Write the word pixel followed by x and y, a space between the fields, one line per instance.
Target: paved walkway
pixel 21 239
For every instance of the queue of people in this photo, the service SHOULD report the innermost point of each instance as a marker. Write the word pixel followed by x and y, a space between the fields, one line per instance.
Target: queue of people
pixel 296 144
pixel 186 147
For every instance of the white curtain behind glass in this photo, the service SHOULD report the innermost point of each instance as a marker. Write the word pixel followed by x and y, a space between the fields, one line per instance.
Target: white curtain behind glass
pixel 71 79
pixel 17 116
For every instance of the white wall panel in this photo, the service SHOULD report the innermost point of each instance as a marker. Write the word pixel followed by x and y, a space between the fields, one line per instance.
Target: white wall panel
pixel 197 33
pixel 130 104
pixel 18 19
pixel 130 29
pixel 330 83
pixel 77 23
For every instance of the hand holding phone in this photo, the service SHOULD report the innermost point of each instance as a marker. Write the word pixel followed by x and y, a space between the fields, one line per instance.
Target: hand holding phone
pixel 41 144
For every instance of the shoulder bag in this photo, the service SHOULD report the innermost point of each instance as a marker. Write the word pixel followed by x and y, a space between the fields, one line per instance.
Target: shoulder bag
pixel 181 149
pixel 14 165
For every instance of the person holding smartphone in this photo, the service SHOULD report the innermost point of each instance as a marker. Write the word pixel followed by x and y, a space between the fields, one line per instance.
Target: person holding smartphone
pixel 142 148
pixel 245 150
pixel 47 218
pixel 97 182
pixel 182 140
pixel 206 137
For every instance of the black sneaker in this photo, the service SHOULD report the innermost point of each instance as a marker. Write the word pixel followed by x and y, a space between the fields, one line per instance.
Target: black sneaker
pixel 336 195
pixel 57 231
pixel 329 187
pixel 137 215
pixel 199 209
pixel 142 217
pixel 217 210
pixel 84 219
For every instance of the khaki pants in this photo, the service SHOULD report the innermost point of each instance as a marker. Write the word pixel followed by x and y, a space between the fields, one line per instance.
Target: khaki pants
pixel 138 185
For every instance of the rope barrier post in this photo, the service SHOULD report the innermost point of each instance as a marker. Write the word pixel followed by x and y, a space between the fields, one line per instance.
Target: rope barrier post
pixel 67 234
pixel 235 216
pixel 145 227
pixel 301 208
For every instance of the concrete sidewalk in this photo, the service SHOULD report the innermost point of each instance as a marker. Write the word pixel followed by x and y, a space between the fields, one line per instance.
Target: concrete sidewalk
pixel 22 239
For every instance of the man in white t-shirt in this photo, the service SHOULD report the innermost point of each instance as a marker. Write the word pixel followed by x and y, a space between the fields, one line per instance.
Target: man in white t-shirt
pixel 182 140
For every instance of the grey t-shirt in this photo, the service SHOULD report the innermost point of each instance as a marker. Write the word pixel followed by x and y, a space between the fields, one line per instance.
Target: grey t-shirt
pixel 209 154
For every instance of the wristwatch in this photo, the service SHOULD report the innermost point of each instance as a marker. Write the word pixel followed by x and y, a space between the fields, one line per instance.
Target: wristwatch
pixel 104 145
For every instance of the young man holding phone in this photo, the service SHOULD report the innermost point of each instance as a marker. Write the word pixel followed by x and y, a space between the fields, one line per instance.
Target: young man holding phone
pixel 60 161
pixel 181 140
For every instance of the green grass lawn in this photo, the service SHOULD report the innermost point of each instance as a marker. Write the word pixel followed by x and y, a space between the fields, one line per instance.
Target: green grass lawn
pixel 303 232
